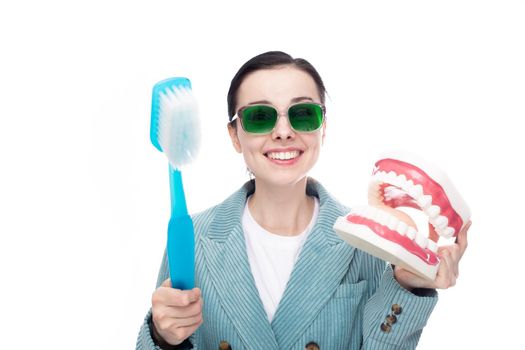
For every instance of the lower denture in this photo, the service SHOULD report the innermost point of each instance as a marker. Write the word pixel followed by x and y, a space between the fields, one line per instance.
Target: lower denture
pixel 425 255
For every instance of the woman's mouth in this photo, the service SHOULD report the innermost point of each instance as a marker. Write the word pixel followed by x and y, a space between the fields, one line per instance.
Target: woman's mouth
pixel 284 157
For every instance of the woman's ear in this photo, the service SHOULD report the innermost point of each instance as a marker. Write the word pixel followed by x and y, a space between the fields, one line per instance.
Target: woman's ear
pixel 323 133
pixel 234 137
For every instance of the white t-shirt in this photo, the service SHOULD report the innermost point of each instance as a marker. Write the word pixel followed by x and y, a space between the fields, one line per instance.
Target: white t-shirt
pixel 272 258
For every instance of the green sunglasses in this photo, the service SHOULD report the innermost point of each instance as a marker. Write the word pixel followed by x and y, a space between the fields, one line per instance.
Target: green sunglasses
pixel 261 118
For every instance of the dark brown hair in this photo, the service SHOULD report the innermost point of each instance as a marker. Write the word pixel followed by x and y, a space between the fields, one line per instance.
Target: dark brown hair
pixel 268 60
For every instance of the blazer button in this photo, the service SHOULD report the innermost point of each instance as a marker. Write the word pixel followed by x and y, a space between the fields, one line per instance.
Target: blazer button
pixel 385 327
pixel 224 345
pixel 311 346
pixel 397 309
pixel 391 319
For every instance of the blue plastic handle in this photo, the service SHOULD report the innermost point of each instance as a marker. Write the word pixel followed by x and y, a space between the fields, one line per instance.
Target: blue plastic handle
pixel 181 237
pixel 178 200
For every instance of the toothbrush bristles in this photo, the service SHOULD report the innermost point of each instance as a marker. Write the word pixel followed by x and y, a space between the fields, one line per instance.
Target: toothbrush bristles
pixel 178 125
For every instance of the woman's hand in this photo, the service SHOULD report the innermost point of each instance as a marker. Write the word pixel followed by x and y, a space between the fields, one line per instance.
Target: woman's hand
pixel 176 313
pixel 448 269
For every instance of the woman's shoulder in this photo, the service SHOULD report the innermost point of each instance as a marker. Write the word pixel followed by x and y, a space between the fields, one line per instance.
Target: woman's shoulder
pixel 204 215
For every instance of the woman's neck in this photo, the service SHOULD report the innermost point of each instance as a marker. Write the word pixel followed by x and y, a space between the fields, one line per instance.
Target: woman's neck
pixel 283 210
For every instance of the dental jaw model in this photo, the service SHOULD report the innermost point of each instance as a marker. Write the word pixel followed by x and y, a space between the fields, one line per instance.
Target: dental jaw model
pixel 405 180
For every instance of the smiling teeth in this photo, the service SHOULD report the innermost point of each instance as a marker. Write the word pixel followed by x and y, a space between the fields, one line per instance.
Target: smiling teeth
pixel 283 155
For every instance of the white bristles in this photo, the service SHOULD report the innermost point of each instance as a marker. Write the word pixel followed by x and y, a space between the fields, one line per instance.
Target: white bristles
pixel 178 126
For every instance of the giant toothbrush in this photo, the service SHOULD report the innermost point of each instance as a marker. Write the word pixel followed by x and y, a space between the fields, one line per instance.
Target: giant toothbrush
pixel 175 131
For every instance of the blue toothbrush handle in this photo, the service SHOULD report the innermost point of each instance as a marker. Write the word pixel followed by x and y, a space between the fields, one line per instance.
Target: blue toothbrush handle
pixel 178 200
pixel 181 237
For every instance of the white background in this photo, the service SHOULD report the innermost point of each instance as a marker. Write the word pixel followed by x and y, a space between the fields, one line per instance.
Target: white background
pixel 84 200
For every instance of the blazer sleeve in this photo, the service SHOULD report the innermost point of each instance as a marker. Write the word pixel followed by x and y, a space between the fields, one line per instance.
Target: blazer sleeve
pixel 393 317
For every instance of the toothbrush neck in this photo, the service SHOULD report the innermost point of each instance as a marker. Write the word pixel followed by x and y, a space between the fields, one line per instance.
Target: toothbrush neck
pixel 178 201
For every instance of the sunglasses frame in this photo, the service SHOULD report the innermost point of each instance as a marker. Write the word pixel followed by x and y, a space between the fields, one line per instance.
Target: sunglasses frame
pixel 238 115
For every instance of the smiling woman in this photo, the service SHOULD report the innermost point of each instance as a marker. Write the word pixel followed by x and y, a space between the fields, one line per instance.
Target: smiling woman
pixel 280 155
pixel 271 272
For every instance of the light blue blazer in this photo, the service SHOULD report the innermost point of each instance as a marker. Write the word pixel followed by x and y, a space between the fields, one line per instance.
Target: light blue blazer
pixel 337 295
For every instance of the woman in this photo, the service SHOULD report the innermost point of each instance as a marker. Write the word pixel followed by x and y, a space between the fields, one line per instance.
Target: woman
pixel 271 272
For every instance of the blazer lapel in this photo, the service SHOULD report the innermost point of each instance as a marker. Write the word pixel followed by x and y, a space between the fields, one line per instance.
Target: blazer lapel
pixel 322 264
pixel 225 256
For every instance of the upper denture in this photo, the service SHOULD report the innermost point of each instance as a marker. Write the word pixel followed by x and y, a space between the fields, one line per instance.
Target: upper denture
pixel 420 189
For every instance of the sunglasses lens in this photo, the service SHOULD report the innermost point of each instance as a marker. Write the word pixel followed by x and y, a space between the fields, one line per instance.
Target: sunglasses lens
pixel 306 117
pixel 259 119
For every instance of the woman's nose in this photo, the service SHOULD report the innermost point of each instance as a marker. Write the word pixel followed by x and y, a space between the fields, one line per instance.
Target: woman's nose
pixel 283 130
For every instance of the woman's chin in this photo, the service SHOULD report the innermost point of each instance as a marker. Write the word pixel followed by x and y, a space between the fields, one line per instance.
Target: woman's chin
pixel 281 179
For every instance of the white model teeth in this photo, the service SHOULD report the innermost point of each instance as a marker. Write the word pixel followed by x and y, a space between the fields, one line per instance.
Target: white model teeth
pixel 400 180
pixel 424 201
pixel 402 228
pixel 393 223
pixel 433 211
pixel 391 176
pixel 383 217
pixel 283 155
pixel 448 232
pixel 432 246
pixel 441 222
pixel 421 240
pixel 416 191
pixel 411 233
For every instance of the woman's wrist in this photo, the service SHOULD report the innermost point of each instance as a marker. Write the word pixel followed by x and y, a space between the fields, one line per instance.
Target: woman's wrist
pixel 418 291
pixel 163 344
pixel 399 280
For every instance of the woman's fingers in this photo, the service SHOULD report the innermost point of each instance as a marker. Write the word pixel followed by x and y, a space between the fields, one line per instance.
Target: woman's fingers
pixel 447 273
pixel 176 297
pixel 461 239
pixel 176 313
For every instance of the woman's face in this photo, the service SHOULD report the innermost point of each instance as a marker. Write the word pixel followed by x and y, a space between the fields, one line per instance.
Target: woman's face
pixel 283 157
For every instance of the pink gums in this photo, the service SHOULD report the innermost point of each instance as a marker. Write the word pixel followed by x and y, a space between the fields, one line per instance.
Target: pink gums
pixel 430 187
pixel 426 255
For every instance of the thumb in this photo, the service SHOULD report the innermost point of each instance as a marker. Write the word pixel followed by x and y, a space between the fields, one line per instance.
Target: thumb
pixel 194 294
